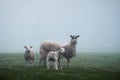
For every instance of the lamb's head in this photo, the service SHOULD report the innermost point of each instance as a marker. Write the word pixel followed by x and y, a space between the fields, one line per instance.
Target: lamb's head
pixel 61 51
pixel 74 39
pixel 28 49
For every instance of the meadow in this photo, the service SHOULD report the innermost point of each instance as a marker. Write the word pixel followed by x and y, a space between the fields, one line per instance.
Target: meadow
pixel 84 66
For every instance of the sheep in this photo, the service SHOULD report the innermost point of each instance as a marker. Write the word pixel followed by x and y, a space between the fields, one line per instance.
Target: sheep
pixel 29 56
pixel 55 57
pixel 70 48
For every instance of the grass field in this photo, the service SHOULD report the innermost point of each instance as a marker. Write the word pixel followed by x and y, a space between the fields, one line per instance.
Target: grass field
pixel 85 66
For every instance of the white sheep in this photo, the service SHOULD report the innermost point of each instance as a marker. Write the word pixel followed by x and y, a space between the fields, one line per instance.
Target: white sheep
pixel 70 48
pixel 55 57
pixel 29 55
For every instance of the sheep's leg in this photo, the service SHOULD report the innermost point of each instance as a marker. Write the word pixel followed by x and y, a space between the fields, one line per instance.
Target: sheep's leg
pixel 26 63
pixel 44 62
pixel 60 64
pixel 68 62
pixel 31 62
pixel 40 61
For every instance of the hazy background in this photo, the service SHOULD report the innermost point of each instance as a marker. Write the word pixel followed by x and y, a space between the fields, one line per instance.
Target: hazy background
pixel 30 22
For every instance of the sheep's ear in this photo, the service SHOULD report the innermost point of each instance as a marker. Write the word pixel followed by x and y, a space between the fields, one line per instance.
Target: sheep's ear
pixel 25 47
pixel 71 36
pixel 78 35
pixel 30 46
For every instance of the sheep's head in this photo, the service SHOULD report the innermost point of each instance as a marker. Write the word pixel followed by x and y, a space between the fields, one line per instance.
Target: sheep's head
pixel 27 49
pixel 74 39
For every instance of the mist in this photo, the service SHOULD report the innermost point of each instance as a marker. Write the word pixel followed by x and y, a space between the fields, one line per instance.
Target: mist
pixel 30 22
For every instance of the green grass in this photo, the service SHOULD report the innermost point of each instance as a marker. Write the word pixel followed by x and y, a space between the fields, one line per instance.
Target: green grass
pixel 85 66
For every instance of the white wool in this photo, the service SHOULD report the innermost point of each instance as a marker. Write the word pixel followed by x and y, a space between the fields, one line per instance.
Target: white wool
pixel 55 56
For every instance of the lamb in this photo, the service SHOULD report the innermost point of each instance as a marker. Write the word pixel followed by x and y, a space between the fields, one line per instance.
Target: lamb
pixel 70 49
pixel 29 55
pixel 55 57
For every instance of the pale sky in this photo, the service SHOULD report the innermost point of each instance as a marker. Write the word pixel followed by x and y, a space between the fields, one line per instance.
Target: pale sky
pixel 30 22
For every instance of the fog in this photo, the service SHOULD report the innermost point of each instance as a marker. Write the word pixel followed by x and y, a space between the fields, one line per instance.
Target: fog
pixel 30 22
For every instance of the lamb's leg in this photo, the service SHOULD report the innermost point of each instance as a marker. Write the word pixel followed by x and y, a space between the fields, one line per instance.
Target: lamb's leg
pixel 48 63
pixel 55 65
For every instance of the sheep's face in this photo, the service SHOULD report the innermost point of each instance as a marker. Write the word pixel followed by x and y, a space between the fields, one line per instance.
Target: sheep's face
pixel 27 49
pixel 74 39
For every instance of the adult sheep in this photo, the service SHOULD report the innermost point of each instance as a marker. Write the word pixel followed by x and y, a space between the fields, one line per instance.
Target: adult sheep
pixel 70 48
pixel 29 55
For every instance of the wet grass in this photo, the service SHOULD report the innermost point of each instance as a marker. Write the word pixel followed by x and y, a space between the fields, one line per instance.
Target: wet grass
pixel 85 66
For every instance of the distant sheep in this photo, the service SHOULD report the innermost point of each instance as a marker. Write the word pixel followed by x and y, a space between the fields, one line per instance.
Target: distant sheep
pixel 29 55
pixel 70 48
pixel 55 57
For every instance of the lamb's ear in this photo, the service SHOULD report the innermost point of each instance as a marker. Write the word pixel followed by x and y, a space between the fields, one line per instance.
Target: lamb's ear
pixel 78 35
pixel 30 46
pixel 25 47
